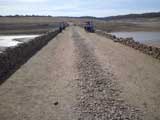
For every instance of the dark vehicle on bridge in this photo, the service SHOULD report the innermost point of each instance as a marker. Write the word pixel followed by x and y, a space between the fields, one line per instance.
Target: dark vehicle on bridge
pixel 89 27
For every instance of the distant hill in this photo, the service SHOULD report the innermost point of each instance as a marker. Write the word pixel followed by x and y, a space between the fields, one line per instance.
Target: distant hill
pixel 133 16
pixel 129 16
pixel 118 17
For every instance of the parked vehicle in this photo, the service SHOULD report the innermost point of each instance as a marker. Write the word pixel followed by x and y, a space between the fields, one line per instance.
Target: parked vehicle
pixel 89 27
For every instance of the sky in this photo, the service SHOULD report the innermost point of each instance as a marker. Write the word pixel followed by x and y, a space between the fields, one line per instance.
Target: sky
pixel 97 8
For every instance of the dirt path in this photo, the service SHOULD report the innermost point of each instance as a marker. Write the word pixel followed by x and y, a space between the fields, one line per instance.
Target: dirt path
pixel 83 76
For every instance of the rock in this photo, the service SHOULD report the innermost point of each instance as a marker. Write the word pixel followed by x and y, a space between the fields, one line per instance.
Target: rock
pixel 56 103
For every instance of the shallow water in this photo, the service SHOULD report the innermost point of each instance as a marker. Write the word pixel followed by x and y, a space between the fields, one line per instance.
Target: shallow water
pixel 13 40
pixel 140 36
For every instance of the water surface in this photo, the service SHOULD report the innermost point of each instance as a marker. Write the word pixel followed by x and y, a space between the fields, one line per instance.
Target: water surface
pixel 150 38
pixel 13 40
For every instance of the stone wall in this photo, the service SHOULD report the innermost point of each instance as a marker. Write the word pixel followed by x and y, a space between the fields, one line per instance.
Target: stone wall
pixel 150 50
pixel 13 57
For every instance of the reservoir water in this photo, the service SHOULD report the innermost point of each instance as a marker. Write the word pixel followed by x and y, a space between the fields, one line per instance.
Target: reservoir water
pixel 13 40
pixel 151 38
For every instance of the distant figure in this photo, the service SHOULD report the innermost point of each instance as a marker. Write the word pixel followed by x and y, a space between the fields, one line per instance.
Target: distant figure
pixel 61 27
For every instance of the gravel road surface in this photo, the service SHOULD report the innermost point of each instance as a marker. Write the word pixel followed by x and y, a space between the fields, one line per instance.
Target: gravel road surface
pixel 83 76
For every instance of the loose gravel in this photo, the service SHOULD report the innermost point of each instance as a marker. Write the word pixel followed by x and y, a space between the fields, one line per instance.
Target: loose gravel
pixel 99 98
